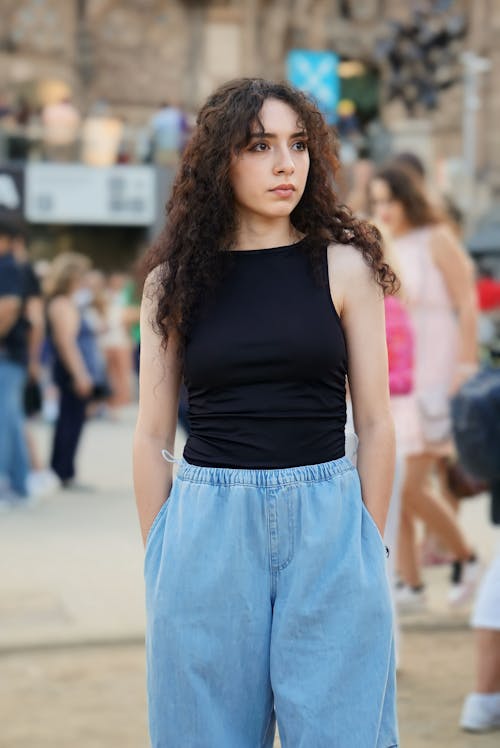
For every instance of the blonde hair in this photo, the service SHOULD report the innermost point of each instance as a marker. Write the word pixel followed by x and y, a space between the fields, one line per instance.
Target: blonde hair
pixel 65 269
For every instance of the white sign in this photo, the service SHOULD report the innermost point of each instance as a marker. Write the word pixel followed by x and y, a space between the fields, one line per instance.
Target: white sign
pixel 78 194
pixel 9 194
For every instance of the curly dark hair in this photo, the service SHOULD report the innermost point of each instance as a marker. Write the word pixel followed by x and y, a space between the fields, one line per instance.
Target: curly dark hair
pixel 189 256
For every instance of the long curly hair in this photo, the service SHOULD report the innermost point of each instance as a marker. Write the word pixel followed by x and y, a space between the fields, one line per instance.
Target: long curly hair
pixel 189 257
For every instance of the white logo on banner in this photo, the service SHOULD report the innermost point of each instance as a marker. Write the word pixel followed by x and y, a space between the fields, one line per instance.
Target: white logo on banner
pixel 315 77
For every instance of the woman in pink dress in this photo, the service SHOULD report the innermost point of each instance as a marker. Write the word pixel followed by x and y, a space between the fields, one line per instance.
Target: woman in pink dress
pixel 439 287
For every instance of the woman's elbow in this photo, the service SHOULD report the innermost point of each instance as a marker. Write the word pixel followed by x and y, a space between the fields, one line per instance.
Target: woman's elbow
pixel 379 422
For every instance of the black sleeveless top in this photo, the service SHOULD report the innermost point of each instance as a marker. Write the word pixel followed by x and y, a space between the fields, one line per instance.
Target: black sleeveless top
pixel 265 366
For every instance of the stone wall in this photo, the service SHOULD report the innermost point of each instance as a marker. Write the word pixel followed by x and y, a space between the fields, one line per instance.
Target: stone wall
pixel 137 53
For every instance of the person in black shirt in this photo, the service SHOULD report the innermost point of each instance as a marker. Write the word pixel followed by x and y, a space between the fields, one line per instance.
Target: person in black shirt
pixel 41 480
pixel 265 567
pixel 14 460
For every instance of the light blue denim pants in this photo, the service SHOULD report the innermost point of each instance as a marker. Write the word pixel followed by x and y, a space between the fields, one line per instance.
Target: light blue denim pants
pixel 14 457
pixel 267 598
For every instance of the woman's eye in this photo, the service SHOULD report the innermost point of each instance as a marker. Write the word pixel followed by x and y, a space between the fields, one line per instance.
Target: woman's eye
pixel 259 147
pixel 300 145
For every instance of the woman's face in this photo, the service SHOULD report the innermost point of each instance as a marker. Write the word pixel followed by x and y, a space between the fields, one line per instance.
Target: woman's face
pixel 269 174
pixel 385 207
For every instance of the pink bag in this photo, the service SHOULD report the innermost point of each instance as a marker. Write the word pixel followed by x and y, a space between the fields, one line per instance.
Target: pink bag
pixel 400 346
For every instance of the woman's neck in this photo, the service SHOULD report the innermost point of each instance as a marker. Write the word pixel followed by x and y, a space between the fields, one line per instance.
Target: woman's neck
pixel 264 235
pixel 404 228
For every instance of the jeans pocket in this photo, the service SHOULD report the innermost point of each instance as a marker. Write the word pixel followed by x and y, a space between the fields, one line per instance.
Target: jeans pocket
pixel 374 525
pixel 157 519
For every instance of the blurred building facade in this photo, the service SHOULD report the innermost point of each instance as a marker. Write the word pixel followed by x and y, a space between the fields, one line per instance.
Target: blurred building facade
pixel 135 54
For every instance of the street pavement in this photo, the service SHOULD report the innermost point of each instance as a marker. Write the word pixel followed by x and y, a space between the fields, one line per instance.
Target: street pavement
pixel 71 590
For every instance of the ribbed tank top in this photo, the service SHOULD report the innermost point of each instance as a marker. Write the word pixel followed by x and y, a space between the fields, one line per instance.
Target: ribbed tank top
pixel 265 366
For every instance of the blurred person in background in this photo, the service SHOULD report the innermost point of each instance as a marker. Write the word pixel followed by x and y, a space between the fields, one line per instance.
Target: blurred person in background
pixel 125 153
pixel 24 112
pixel 265 565
pixel 76 362
pixel 50 396
pixel 362 172
pixel 481 709
pixel 132 294
pixel 348 128
pixel 443 203
pixel 476 416
pixel 169 129
pixel 440 290
pixel 102 135
pixel 61 127
pixel 40 480
pixel 93 302
pixel 488 293
pixel 14 456
pixel 432 551
pixel 400 337
pixel 93 297
pixel 117 342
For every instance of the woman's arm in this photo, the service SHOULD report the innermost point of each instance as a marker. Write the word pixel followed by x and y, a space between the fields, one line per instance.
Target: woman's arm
pixel 64 322
pixel 458 275
pixel 159 385
pixel 359 302
pixel 35 315
pixel 10 306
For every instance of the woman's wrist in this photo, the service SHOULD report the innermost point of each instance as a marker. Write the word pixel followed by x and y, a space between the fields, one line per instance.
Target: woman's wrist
pixel 80 374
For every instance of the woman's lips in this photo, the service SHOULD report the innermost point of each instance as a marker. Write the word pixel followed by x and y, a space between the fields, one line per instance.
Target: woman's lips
pixel 284 190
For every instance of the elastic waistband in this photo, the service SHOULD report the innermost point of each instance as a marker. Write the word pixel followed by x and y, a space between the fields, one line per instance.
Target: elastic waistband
pixel 263 477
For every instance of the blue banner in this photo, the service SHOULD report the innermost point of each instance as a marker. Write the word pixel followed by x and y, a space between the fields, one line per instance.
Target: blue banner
pixel 316 73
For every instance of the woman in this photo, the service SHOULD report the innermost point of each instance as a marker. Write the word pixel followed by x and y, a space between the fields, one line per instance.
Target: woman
pixel 265 568
pixel 117 342
pixel 440 291
pixel 481 708
pixel 401 359
pixel 77 365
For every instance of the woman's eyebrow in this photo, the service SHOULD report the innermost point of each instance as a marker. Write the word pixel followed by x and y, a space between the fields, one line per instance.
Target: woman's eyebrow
pixel 270 135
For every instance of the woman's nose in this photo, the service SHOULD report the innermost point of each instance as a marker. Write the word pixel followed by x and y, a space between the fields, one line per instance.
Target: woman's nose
pixel 284 163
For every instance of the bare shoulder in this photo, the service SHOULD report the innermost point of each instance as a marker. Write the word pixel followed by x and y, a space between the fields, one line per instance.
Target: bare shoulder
pixel 446 248
pixel 61 305
pixel 442 235
pixel 154 280
pixel 347 260
pixel 445 244
pixel 151 294
pixel 348 273
pixel 63 315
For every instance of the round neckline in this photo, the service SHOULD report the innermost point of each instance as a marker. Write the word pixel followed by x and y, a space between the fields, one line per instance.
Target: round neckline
pixel 267 250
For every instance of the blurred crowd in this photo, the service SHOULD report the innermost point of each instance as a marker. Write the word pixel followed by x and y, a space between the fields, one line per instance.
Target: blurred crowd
pixel 69 340
pixel 443 333
pixel 59 132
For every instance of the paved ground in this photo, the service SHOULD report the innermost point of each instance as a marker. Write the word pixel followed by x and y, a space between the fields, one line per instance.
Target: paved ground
pixel 71 620
pixel 93 697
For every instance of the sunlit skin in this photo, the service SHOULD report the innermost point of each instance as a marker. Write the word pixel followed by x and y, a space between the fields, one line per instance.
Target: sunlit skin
pixel 277 157
pixel 386 209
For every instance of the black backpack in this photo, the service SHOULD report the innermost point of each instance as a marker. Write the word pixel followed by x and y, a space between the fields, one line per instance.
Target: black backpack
pixel 475 412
